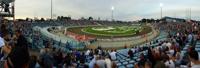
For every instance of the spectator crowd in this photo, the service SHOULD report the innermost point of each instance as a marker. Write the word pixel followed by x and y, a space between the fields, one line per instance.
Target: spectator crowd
pixel 177 50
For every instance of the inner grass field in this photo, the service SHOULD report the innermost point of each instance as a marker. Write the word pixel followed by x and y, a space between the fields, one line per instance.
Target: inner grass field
pixel 111 31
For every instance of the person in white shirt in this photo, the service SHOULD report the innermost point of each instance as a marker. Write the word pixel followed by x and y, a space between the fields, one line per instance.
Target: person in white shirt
pixel 168 62
pixel 1 42
pixel 92 62
pixel 113 55
pixel 193 56
pixel 1 47
pixel 87 53
pixel 108 62
pixel 133 49
pixel 100 62
pixel 169 45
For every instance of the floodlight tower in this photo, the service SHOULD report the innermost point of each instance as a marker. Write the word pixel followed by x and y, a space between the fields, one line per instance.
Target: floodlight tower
pixel 7 9
pixel 161 11
pixel 51 9
pixel 112 13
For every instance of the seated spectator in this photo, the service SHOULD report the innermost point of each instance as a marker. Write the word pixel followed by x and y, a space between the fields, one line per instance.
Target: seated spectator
pixel 168 62
pixel 193 56
pixel 33 61
pixel 142 60
pixel 46 60
pixel 160 65
pixel 68 60
pixel 1 46
pixel 100 62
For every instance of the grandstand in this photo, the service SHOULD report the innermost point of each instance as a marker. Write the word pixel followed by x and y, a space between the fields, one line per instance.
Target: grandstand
pixel 39 39
pixel 80 43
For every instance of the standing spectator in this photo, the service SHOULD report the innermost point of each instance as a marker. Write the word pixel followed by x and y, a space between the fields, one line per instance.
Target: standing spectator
pixel 108 62
pixel 130 53
pixel 113 55
pixel 100 62
pixel 19 51
pixel 92 63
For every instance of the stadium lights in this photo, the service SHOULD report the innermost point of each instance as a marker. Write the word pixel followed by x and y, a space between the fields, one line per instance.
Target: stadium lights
pixel 161 5
pixel 112 9
pixel 51 9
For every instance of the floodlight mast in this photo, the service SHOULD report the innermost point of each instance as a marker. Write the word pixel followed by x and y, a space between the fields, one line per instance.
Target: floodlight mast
pixel 51 9
pixel 112 13
pixel 161 10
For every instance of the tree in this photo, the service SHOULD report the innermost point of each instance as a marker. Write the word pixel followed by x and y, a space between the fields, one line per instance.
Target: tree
pixel 82 18
pixel 42 19
pixel 90 18
pixel 68 18
pixel 61 17
pixel 152 20
pixel 58 18
pixel 27 19
pixel 144 20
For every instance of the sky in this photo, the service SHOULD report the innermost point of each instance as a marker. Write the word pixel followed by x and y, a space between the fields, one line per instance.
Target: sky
pixel 125 10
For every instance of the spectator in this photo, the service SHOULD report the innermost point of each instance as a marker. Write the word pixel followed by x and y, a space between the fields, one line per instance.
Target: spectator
pixel 100 62
pixel 46 60
pixel 194 58
pixel 33 61
pixel 92 63
pixel 19 51
pixel 130 53
pixel 108 62
pixel 68 60
pixel 1 46
pixel 168 62
pixel 113 55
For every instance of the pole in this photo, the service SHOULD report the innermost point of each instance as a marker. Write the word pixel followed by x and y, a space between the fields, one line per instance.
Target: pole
pixel 112 15
pixel 51 9
pixel 160 12
pixel 190 14
pixel 13 12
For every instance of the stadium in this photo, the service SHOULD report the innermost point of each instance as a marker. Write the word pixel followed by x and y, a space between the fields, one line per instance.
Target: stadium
pixel 97 35
pixel 105 39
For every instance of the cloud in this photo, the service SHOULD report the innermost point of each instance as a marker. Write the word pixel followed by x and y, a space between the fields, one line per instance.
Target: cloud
pixel 124 9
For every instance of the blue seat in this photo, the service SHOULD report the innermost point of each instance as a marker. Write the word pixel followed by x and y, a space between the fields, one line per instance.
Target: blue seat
pixel 122 60
pixel 116 61
pixel 119 64
pixel 125 63
pixel 138 59
pixel 130 66
pixel 198 43
pixel 135 57
pixel 197 46
pixel 197 49
pixel 132 61
pixel 128 59
pixel 122 66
